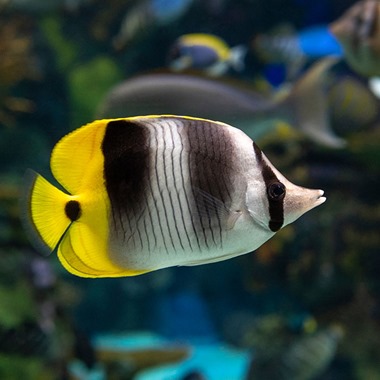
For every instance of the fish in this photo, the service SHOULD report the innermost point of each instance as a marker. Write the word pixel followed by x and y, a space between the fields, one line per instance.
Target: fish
pixel 150 192
pixel 305 358
pixel 358 31
pixel 303 105
pixel 145 15
pixel 353 106
pixel 205 52
pixel 295 48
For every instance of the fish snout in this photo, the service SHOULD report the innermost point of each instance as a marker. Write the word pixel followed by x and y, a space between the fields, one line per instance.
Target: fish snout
pixel 300 200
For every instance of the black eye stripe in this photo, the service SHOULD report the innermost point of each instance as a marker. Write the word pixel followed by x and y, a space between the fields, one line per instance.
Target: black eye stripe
pixel 276 205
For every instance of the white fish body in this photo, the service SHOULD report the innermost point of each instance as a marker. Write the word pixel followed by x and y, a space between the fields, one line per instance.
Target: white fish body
pixel 189 220
pixel 172 191
pixel 160 191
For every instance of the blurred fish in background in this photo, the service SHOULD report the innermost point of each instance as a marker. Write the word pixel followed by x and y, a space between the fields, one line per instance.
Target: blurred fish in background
pixel 358 31
pixel 303 106
pixel 305 358
pixel 205 52
pixel 353 106
pixel 146 14
pixel 288 346
pixel 294 49
pixel 355 37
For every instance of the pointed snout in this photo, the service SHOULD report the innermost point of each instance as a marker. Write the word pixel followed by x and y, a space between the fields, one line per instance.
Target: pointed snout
pixel 300 200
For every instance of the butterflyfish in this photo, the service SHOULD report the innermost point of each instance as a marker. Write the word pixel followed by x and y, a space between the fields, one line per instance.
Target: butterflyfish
pixel 358 31
pixel 144 193
pixel 205 52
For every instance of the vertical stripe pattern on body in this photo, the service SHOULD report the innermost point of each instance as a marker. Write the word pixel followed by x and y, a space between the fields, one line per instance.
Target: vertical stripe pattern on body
pixel 126 172
pixel 210 168
pixel 170 185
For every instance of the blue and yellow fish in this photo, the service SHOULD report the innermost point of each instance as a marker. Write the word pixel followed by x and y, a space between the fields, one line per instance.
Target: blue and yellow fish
pixel 145 193
pixel 292 49
pixel 205 52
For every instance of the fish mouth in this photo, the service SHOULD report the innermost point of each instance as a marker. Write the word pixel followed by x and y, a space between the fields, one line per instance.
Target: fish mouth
pixel 301 200
pixel 320 198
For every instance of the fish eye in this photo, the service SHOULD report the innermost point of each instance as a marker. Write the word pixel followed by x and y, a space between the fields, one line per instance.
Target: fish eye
pixel 276 191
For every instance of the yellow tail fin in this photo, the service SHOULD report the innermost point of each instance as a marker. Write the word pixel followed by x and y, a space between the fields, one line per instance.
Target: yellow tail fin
pixel 46 217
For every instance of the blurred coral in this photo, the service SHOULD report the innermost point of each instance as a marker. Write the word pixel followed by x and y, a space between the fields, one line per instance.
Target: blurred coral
pixel 16 64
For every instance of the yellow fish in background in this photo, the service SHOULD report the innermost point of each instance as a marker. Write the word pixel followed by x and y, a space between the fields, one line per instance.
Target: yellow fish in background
pixel 150 192
pixel 205 52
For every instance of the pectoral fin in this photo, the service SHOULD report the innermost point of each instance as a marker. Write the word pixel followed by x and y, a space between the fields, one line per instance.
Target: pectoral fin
pixel 208 206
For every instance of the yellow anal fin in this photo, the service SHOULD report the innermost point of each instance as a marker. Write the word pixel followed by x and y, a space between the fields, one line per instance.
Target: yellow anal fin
pixel 44 214
pixel 84 256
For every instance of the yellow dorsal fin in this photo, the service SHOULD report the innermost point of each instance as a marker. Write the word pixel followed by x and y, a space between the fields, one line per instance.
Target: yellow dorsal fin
pixel 76 154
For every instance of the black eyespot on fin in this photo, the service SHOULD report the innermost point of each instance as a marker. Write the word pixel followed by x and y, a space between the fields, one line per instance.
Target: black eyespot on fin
pixel 73 210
